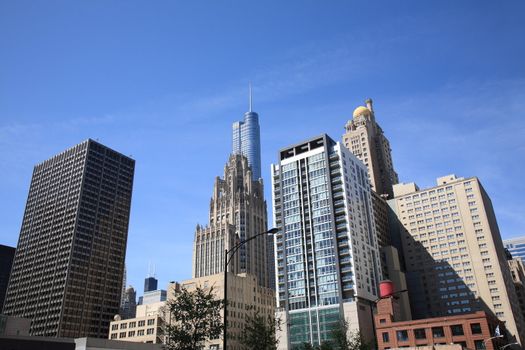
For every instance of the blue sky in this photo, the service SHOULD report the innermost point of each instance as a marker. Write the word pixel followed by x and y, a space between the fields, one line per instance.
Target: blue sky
pixel 164 80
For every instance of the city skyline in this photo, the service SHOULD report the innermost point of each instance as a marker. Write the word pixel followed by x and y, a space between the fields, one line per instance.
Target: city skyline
pixel 479 104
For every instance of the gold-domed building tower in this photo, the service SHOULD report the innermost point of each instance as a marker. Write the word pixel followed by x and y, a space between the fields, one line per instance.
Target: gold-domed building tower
pixel 365 138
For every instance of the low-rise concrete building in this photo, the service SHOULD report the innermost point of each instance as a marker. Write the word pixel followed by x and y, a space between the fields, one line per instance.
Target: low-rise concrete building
pixel 146 327
pixel 52 343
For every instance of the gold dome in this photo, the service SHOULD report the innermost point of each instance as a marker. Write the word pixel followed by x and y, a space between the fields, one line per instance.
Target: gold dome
pixel 360 111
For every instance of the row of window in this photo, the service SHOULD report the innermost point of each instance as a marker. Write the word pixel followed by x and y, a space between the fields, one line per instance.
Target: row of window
pixel 436 332
pixel 133 324
pixel 131 334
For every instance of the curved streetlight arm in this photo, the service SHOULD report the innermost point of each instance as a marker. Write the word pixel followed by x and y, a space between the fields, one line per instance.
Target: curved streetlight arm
pixel 227 258
pixel 236 247
pixel 498 336
pixel 503 347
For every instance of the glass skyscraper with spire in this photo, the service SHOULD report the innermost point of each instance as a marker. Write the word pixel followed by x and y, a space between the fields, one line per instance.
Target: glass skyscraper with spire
pixel 247 140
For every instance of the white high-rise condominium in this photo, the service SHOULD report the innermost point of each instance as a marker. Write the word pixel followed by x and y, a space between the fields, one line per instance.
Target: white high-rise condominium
pixel 327 256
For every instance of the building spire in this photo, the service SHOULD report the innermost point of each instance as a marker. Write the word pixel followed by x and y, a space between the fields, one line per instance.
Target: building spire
pixel 250 90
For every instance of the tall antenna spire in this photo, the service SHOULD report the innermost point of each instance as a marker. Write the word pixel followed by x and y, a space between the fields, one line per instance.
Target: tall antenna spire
pixel 250 88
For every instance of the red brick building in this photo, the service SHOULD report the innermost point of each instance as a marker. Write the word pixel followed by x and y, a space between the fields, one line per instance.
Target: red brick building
pixel 471 331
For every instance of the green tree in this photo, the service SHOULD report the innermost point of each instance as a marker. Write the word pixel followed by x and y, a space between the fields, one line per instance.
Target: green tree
pixel 259 332
pixel 194 318
pixel 344 340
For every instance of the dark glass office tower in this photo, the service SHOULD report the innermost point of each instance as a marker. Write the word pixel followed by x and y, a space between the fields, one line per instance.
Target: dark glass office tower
pixel 69 263
pixel 150 283
pixel 7 255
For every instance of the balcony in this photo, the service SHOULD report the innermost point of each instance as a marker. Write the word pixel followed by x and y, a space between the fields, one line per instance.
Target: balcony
pixel 337 195
pixel 341 227
pixel 336 180
pixel 339 203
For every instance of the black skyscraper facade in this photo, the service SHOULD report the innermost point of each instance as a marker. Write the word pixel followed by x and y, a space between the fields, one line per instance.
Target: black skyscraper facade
pixel 69 262
pixel 150 283
pixel 7 255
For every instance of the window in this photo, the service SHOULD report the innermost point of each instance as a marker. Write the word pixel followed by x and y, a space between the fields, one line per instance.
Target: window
pixel 475 328
pixel 114 327
pixel 131 333
pixel 383 320
pixel 386 337
pixel 142 323
pixel 420 333
pixel 123 325
pixel 151 322
pixel 113 335
pixel 122 335
pixel 457 329
pixel 438 332
pixel 479 344
pixel 402 335
pixel 150 331
pixel 140 332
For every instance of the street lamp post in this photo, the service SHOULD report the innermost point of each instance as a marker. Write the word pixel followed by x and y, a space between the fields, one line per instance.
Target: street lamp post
pixel 503 347
pixel 374 305
pixel 228 255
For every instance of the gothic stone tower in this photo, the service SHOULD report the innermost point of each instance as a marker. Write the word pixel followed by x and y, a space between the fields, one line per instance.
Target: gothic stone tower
pixel 237 212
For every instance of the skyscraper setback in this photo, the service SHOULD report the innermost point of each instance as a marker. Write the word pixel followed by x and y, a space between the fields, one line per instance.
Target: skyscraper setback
pixel 247 139
pixel 68 268
pixel 328 264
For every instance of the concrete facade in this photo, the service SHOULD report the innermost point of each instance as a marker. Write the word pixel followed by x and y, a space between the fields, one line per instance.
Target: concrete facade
pixel 454 256
pixel 14 326
pixel 47 343
pixel 146 327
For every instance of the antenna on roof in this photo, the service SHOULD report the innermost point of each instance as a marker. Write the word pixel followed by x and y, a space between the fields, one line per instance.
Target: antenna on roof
pixel 250 90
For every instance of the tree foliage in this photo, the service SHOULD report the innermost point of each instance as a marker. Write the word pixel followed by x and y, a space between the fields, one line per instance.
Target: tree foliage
pixel 194 317
pixel 342 339
pixel 259 332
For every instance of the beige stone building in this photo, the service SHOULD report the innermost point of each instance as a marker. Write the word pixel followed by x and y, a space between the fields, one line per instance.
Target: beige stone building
pixel 454 256
pixel 146 327
pixel 366 140
pixel 237 212
pixel 245 296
